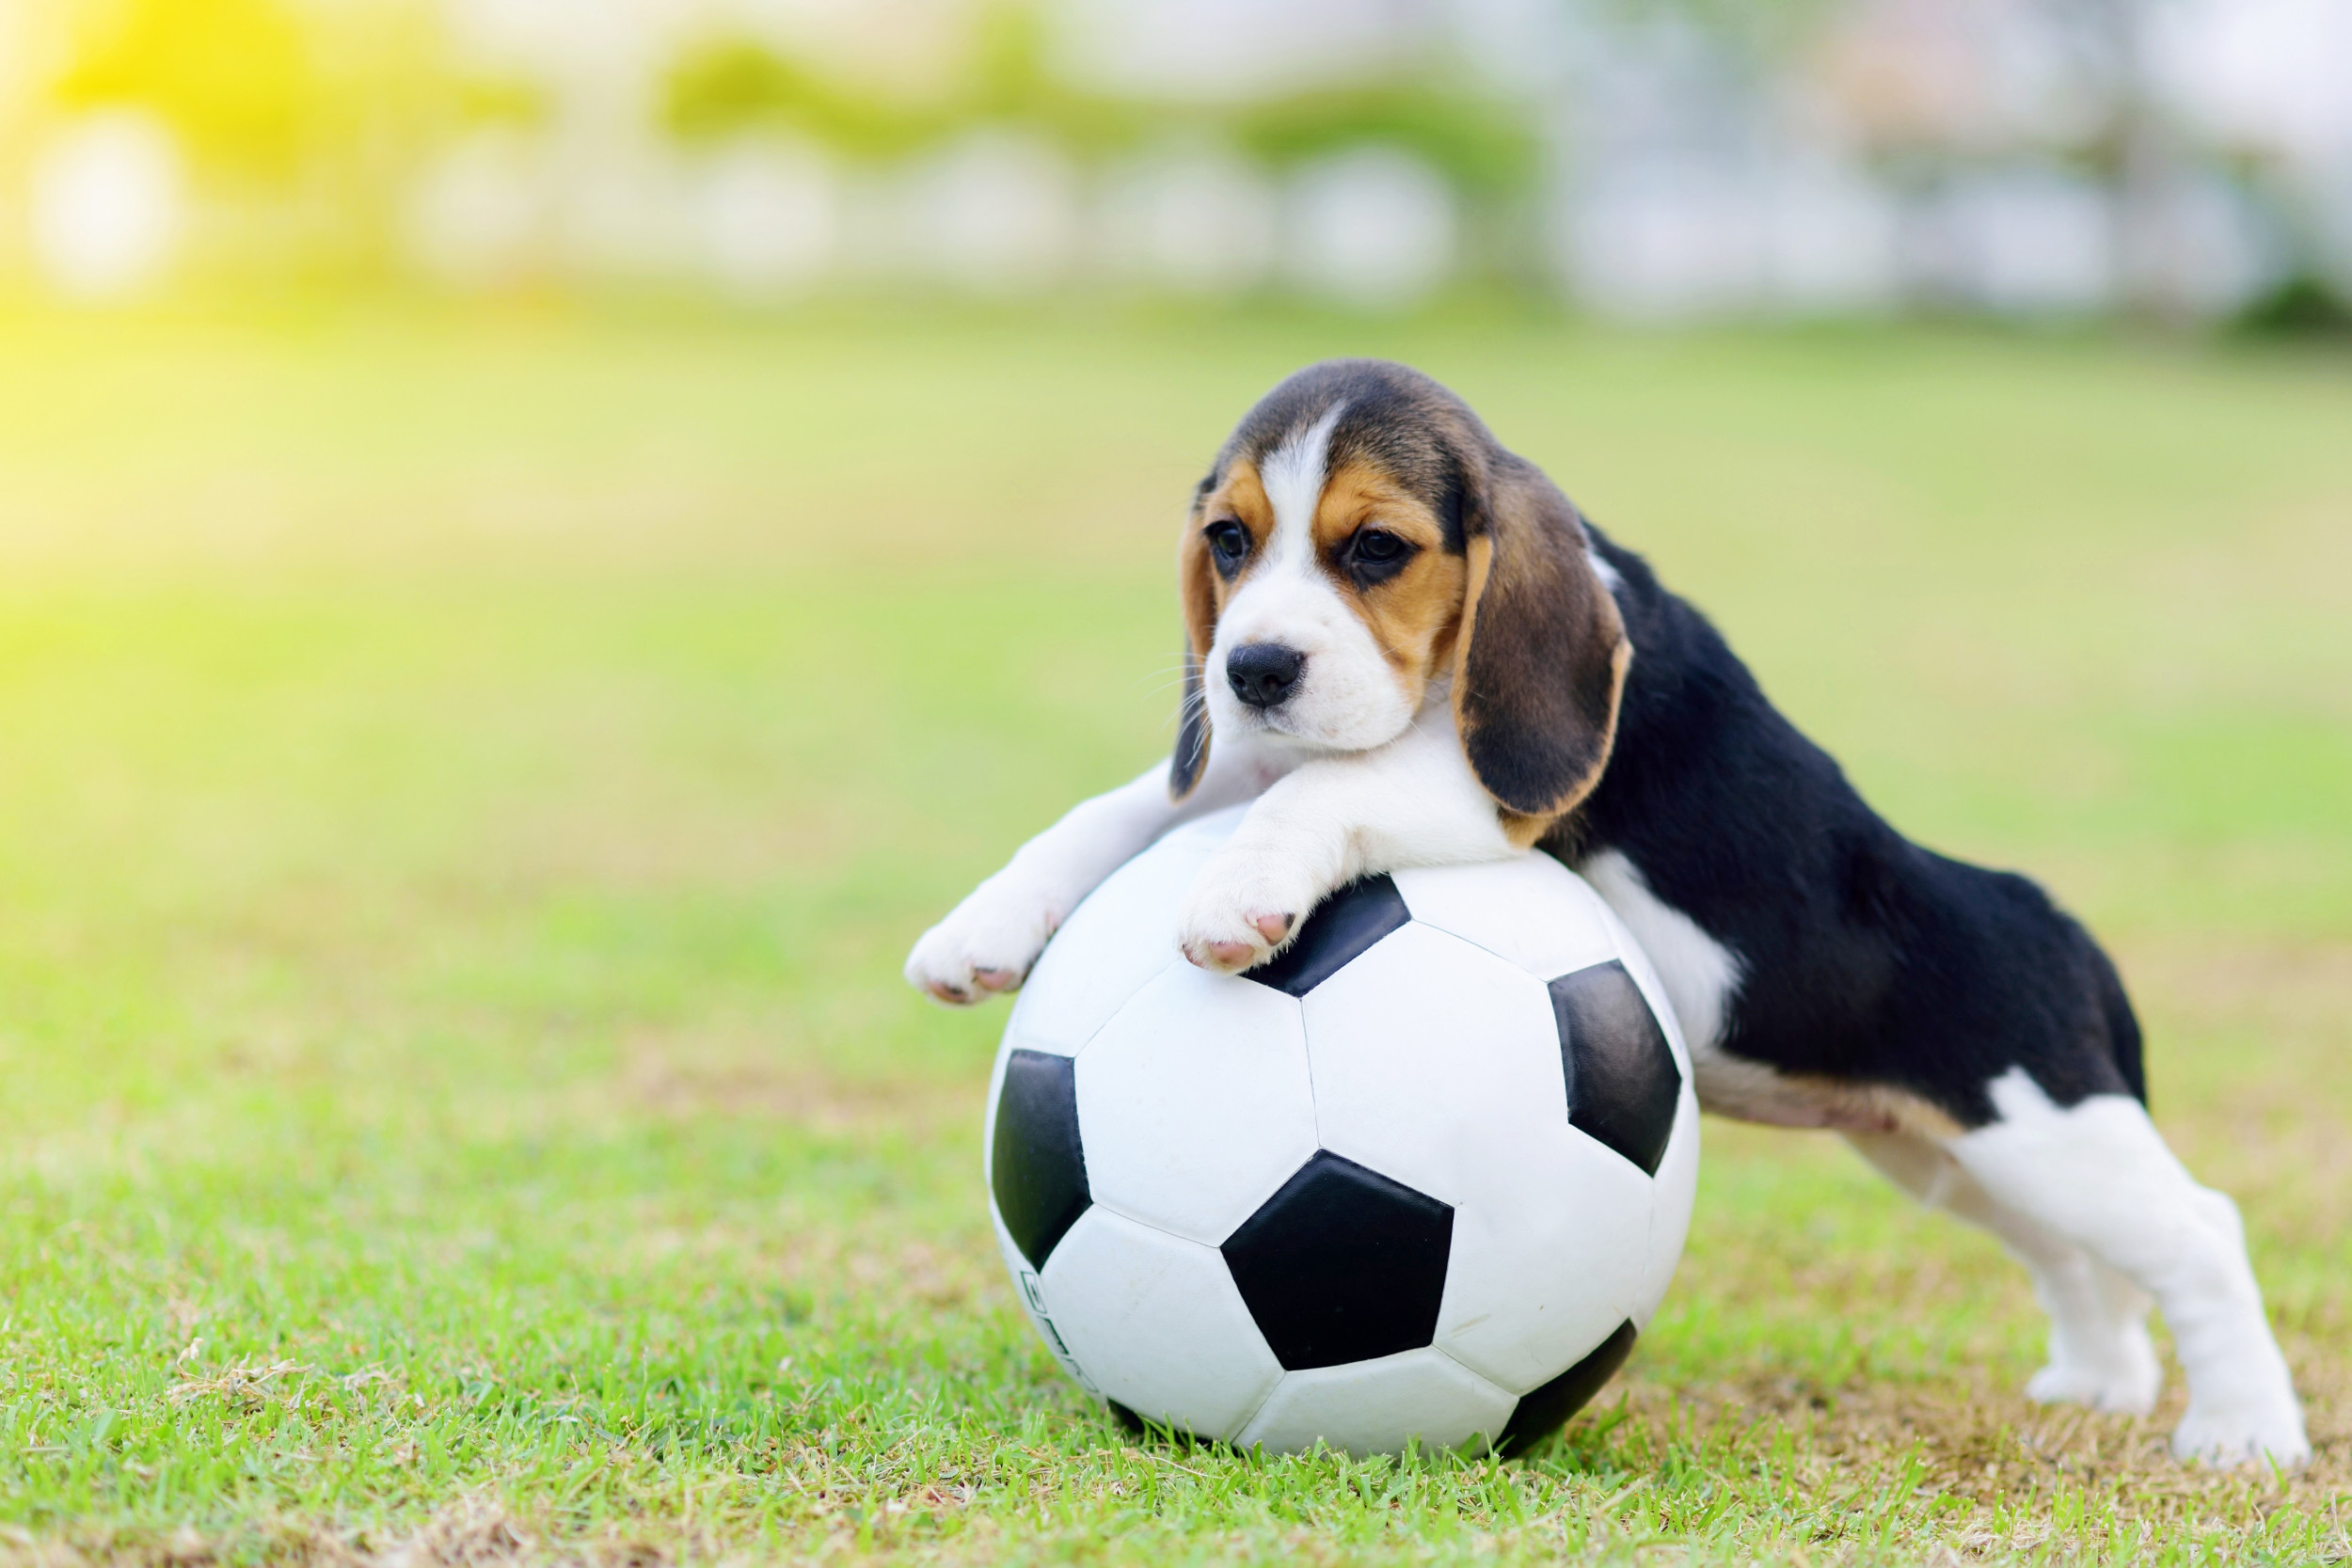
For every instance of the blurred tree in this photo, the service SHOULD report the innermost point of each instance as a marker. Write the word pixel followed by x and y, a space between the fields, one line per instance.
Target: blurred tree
pixel 1484 145
pixel 1010 81
pixel 727 85
pixel 2301 307
pixel 234 79
pixel 306 123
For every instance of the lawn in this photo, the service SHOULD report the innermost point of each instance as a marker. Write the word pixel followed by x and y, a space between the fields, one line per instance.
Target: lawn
pixel 467 782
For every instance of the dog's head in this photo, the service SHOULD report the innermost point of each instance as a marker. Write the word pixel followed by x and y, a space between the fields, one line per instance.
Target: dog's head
pixel 1363 541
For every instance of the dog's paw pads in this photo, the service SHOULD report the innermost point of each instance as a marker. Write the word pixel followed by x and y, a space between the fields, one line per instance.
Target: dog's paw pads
pixel 1274 927
pixel 1244 907
pixel 983 948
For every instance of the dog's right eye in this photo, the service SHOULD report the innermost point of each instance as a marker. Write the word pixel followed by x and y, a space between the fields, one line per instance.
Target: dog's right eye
pixel 1230 542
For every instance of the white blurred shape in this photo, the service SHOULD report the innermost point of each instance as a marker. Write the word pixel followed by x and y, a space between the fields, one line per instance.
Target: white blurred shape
pixel 1239 49
pixel 1663 237
pixel 2025 241
pixel 1523 46
pixel 767 214
pixel 109 204
pixel 1373 227
pixel 2274 78
pixel 1829 239
pixel 1199 220
pixel 2269 76
pixel 995 213
pixel 621 208
pixel 1691 235
pixel 479 216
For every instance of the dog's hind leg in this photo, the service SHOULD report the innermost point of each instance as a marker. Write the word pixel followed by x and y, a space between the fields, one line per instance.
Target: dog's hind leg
pixel 2099 1353
pixel 2097 1173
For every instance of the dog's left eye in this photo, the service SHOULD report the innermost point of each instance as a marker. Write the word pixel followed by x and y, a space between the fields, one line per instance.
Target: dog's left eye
pixel 1374 555
pixel 1230 541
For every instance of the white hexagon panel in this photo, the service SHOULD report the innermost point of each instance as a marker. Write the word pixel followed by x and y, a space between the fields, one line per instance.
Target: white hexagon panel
pixel 1530 911
pixel 1434 1060
pixel 1535 1283
pixel 1196 1102
pixel 1380 1406
pixel 1157 1325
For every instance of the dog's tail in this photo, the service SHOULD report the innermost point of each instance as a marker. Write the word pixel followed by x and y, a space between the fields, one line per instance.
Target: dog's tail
pixel 2123 1024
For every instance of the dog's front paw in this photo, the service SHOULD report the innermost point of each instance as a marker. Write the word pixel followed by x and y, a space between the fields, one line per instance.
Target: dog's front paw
pixel 2101 1364
pixel 986 944
pixel 2266 1428
pixel 1245 907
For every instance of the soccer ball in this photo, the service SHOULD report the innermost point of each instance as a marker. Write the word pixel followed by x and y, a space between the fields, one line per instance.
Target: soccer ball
pixel 1422 1177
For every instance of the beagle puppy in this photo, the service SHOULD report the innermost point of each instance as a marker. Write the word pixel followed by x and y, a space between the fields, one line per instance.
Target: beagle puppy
pixel 1405 647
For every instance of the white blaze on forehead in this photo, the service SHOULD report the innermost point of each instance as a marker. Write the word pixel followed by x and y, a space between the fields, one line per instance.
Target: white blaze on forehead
pixel 1349 699
pixel 1293 478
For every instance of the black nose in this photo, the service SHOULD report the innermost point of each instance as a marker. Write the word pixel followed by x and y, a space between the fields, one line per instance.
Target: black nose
pixel 1264 674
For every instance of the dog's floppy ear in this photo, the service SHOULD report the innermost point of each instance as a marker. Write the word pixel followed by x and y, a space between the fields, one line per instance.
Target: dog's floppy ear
pixel 1198 587
pixel 1543 649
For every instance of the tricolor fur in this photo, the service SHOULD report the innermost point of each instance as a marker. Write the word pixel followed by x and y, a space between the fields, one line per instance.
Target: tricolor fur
pixel 1405 647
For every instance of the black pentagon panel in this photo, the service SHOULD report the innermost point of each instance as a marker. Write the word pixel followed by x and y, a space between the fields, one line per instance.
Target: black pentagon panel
pixel 1545 1410
pixel 1342 1264
pixel 1622 1078
pixel 1036 1166
pixel 1340 928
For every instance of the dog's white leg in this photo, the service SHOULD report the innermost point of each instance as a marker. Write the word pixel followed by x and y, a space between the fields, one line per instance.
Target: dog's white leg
pixel 2097 1173
pixel 987 943
pixel 2099 1353
pixel 1414 802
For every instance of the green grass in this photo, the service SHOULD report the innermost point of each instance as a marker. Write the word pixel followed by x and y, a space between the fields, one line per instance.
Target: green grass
pixel 467 785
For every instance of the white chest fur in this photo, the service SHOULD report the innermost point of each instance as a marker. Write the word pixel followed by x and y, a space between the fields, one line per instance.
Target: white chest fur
pixel 1700 973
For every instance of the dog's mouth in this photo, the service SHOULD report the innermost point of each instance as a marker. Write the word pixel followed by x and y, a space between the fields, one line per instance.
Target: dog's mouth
pixel 1264 717
pixel 1258 720
pixel 1280 725
pixel 1243 719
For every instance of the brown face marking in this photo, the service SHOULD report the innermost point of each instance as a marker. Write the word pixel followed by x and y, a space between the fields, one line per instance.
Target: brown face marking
pixel 1205 589
pixel 1239 496
pixel 1415 613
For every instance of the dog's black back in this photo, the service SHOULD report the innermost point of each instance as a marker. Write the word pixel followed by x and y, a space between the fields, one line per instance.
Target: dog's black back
pixel 1865 959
